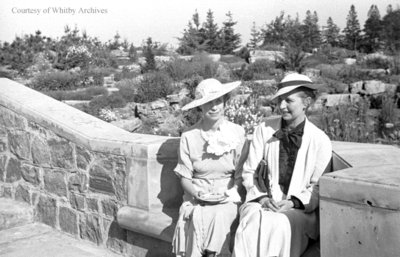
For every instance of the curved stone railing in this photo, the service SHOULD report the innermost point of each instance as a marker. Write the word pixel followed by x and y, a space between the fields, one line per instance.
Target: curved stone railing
pixel 100 183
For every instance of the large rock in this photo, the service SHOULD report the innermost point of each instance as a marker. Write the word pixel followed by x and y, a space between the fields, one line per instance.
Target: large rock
pixel 54 182
pixel 156 110
pixel 372 87
pixel 132 124
pixel 339 99
pixel 61 152
pixel 265 55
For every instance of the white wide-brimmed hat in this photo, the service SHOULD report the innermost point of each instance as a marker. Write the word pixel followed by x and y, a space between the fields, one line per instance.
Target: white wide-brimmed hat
pixel 208 90
pixel 292 81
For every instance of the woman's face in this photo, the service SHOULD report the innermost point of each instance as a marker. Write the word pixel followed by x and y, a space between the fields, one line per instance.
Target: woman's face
pixel 214 110
pixel 293 107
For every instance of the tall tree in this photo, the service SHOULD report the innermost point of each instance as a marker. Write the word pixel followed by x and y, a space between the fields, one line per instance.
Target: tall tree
pixel 211 32
pixel 228 39
pixel 192 39
pixel 274 33
pixel 391 30
pixel 373 30
pixel 255 37
pixel 311 31
pixel 352 30
pixel 149 55
pixel 331 33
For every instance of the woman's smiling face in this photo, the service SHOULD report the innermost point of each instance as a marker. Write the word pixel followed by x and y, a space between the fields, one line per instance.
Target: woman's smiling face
pixel 214 110
pixel 292 107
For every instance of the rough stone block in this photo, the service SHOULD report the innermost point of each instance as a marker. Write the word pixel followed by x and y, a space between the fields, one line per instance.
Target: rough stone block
pixel 121 190
pixel 47 210
pixel 90 228
pixel 77 201
pixel 19 144
pixel 142 245
pixel 54 182
pixel 101 180
pixel 13 170
pixel 116 236
pixel 78 182
pixel 83 158
pixel 11 119
pixel 3 131
pixel 3 162
pixel 61 153
pixel 109 207
pixel 68 220
pixel 40 152
pixel 31 174
pixel 22 194
pixel 8 191
pixel 3 145
pixel 92 204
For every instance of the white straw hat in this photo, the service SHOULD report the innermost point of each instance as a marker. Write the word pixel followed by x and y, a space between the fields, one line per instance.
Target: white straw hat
pixel 292 81
pixel 208 90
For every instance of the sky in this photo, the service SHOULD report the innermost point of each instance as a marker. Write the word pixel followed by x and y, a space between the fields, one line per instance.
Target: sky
pixel 162 20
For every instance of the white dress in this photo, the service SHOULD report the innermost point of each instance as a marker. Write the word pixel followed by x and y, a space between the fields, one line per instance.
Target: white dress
pixel 266 233
pixel 207 227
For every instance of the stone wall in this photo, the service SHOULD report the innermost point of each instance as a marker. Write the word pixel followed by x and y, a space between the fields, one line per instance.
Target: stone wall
pixel 75 169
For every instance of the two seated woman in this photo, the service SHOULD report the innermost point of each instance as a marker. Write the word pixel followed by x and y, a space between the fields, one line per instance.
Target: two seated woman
pixel 276 222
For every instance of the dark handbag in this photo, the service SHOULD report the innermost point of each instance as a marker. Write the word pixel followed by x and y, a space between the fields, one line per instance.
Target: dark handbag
pixel 262 172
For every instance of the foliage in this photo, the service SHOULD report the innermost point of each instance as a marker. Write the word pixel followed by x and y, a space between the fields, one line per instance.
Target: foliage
pixel 372 30
pixel 331 33
pixel 352 30
pixel 85 94
pixel 98 74
pixel 149 55
pixel 107 115
pixel 128 89
pixel 391 30
pixel 228 40
pixel 376 62
pixel 293 60
pixel 255 37
pixel 311 32
pixel 210 33
pixel 57 80
pixel 243 113
pixel 114 100
pixel 154 85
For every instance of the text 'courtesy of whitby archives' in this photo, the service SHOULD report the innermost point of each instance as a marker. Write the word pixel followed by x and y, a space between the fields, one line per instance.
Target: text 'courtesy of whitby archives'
pixel 59 10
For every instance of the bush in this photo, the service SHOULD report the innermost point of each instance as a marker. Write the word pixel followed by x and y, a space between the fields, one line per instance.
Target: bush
pixel 98 74
pixel 376 62
pixel 86 94
pixel 114 100
pixel 180 69
pixel 154 85
pixel 58 80
pixel 128 89
pixel 125 74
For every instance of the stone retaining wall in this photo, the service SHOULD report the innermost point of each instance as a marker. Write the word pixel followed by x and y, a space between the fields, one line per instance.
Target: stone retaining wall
pixel 75 169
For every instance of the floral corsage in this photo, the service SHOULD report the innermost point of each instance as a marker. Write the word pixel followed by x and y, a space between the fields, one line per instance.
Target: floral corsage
pixel 221 141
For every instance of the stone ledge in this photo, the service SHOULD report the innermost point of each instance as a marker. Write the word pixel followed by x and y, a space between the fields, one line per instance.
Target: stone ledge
pixel 158 224
pixel 77 126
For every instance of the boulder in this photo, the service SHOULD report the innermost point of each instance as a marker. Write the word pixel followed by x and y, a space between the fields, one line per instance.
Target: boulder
pixel 372 87
pixel 350 61
pixel 214 57
pixel 132 124
pixel 156 110
pixel 265 55
pixel 330 100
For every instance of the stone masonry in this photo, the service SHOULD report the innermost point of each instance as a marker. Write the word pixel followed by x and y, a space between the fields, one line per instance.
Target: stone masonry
pixel 73 189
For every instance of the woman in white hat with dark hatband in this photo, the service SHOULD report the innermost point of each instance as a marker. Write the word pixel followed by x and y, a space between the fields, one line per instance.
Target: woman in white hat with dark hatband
pixel 279 217
pixel 209 170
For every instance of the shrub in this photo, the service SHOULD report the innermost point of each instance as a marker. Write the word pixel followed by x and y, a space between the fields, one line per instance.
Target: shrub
pixel 86 94
pixel 114 100
pixel 180 69
pixel 261 67
pixel 98 74
pixel 128 89
pixel 154 85
pixel 58 80
pixel 125 74
pixel 376 62
pixel 204 66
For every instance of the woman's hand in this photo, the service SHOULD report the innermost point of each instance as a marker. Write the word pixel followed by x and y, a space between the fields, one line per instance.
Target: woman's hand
pixel 285 205
pixel 269 204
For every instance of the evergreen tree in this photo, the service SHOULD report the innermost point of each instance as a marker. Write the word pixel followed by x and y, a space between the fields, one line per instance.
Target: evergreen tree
pixel 132 53
pixel 391 30
pixel 331 33
pixel 311 31
pixel 293 33
pixel 228 40
pixel 149 56
pixel 274 33
pixel 352 30
pixel 210 32
pixel 255 37
pixel 192 39
pixel 373 30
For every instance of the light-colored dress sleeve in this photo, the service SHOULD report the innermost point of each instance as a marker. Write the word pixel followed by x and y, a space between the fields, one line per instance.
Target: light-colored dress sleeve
pixel 184 168
pixel 240 155
pixel 256 152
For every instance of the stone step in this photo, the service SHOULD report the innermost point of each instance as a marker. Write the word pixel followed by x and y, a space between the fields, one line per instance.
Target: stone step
pixel 39 240
pixel 14 213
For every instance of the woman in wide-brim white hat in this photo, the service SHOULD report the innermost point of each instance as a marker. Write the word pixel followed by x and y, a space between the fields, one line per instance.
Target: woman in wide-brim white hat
pixel 209 170
pixel 280 221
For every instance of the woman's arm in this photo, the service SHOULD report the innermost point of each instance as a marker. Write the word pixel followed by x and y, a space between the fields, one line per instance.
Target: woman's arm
pixel 187 185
